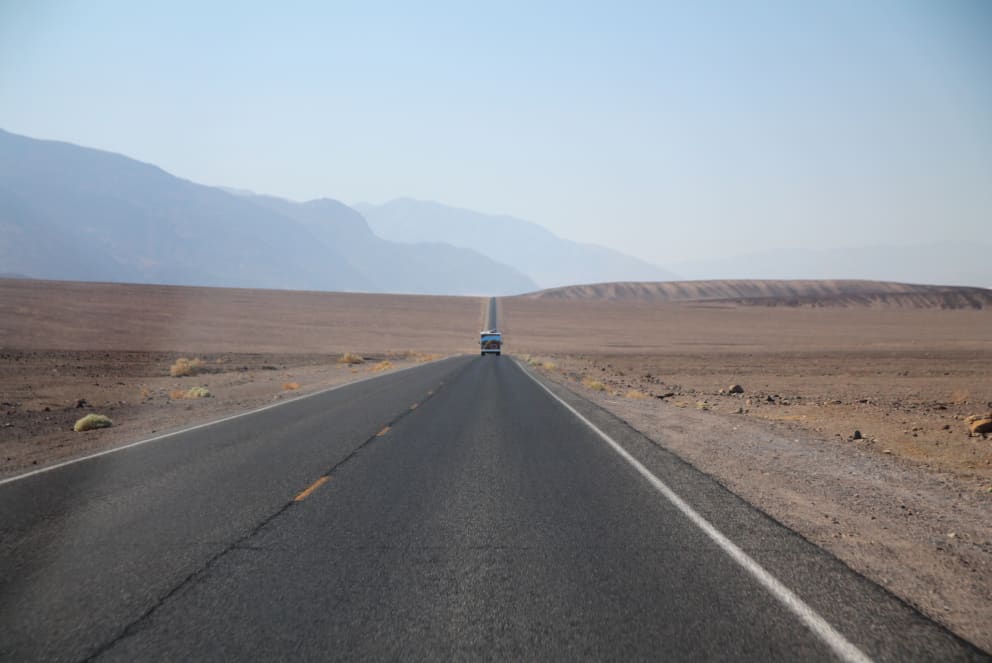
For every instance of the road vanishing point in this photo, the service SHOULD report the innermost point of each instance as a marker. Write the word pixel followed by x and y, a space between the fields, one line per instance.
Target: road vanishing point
pixel 463 509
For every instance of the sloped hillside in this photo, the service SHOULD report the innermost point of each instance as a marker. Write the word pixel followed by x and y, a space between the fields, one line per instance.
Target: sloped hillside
pixel 780 293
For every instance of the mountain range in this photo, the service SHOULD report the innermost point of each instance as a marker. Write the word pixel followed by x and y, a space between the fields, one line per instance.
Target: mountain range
pixel 548 259
pixel 75 213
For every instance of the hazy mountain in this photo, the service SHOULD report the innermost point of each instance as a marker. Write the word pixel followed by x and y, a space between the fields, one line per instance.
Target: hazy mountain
pixel 421 267
pixel 947 263
pixel 540 254
pixel 69 212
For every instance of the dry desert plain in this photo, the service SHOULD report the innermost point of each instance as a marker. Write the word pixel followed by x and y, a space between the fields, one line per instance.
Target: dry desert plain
pixel 908 505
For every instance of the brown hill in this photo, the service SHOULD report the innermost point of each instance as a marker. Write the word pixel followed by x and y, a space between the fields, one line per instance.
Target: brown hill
pixel 833 293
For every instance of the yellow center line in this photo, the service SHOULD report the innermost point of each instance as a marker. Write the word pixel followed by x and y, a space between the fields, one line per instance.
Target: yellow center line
pixel 382 432
pixel 314 486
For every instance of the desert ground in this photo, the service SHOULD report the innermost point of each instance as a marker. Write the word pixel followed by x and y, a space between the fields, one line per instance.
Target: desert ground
pixel 908 502
pixel 71 349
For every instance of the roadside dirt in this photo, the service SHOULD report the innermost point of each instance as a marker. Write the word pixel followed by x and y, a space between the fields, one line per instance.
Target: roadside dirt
pixel 923 534
pixel 43 393
pixel 111 345
pixel 909 504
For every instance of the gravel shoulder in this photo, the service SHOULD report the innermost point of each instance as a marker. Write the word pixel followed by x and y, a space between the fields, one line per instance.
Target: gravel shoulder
pixel 924 534
pixel 43 393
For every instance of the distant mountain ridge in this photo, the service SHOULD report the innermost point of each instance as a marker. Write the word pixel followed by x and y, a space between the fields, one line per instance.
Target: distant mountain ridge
pixel 531 249
pixel 76 213
pixel 816 293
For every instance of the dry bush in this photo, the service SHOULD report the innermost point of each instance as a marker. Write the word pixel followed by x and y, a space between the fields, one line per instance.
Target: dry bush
pixel 291 386
pixel 549 366
pixel 146 393
pixel 184 366
pixel 351 358
pixel 191 393
pixel 636 395
pixel 423 357
pixel 382 366
pixel 91 422
pixel 593 384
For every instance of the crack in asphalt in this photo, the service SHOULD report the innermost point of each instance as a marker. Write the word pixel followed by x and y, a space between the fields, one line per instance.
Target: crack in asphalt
pixel 195 576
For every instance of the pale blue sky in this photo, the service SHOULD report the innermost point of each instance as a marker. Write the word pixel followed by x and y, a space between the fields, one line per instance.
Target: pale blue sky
pixel 671 131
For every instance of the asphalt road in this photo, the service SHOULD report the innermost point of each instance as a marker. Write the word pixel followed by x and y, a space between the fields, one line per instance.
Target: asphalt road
pixel 492 318
pixel 453 511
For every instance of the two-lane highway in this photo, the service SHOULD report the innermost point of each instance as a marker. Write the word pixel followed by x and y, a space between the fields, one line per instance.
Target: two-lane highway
pixel 457 510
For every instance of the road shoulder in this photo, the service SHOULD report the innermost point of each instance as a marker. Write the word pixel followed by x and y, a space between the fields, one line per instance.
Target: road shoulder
pixel 914 533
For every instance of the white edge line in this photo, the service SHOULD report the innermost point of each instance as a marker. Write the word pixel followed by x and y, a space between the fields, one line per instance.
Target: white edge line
pixel 830 636
pixel 72 461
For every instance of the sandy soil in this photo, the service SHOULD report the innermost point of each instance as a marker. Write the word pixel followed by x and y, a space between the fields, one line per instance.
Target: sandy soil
pixel 909 505
pixel 111 345
pixel 59 315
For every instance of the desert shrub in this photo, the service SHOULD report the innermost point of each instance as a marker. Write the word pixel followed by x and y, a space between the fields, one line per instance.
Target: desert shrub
pixel 192 392
pixel 382 366
pixel 422 357
pixel 593 384
pixel 636 395
pixel 291 386
pixel 549 366
pixel 351 358
pixel 91 422
pixel 184 366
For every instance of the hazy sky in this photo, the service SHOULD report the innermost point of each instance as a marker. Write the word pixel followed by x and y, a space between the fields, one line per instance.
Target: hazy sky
pixel 671 131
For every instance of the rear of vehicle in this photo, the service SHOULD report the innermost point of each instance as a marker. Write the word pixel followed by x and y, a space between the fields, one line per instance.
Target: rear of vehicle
pixel 491 342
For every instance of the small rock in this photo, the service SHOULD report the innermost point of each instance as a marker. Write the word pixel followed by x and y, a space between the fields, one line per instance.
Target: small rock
pixel 735 389
pixel 981 426
pixel 81 402
pixel 857 435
